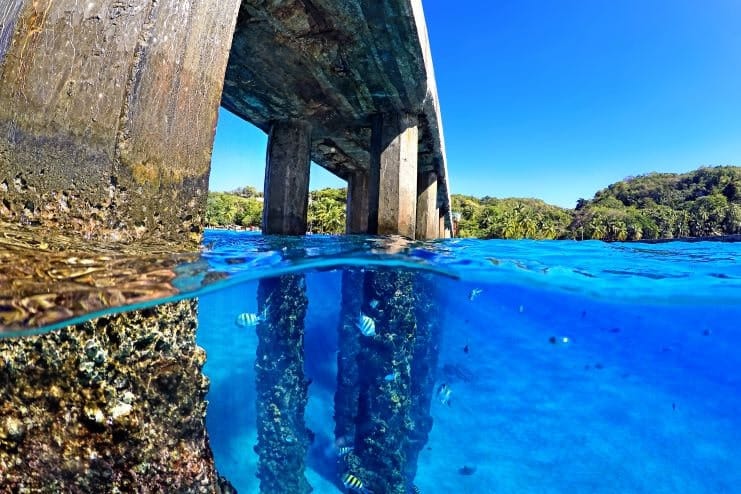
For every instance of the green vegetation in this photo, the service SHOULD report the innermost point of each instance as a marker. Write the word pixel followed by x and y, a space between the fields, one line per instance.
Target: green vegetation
pixel 704 202
pixel 243 207
pixel 327 211
pixel 229 209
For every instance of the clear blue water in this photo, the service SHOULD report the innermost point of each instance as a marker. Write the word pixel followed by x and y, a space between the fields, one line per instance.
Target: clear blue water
pixel 640 393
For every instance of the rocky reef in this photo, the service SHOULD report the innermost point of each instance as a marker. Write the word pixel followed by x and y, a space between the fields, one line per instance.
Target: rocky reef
pixel 115 404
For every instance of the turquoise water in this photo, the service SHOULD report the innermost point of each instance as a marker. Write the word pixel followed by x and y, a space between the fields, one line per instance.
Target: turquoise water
pixel 578 367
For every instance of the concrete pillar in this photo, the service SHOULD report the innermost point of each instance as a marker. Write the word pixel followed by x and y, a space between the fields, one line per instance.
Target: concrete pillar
pixel 357 203
pixel 287 178
pixel 282 388
pixel 107 113
pixel 281 385
pixel 393 175
pixel 441 224
pixel 348 372
pixel 427 215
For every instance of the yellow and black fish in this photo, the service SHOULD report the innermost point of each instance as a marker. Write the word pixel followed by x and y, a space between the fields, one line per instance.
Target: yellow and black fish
pixel 354 484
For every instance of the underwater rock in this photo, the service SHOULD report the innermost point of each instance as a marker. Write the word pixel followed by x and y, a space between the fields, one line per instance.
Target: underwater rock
pixel 77 416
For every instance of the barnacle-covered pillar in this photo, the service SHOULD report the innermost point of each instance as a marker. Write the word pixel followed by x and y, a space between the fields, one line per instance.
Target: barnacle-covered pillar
pixel 107 113
pixel 116 404
pixel 385 392
pixel 424 363
pixel 107 117
pixel 282 389
pixel 348 373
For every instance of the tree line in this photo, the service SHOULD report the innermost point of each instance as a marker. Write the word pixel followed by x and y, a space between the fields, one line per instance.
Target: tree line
pixel 701 203
pixel 704 202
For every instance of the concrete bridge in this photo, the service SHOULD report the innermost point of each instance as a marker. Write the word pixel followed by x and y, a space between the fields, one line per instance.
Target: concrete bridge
pixel 108 110
pixel 107 116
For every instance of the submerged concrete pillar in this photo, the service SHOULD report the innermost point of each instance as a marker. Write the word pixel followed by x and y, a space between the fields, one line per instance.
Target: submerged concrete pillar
pixel 287 178
pixel 393 175
pixel 357 203
pixel 107 113
pixel 384 385
pixel 427 215
pixel 282 389
pixel 348 373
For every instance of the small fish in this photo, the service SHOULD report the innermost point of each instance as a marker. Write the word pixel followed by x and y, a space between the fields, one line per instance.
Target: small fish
pixel 344 450
pixel 413 489
pixel 373 304
pixel 443 394
pixel 465 349
pixel 521 309
pixel 466 470
pixel 391 377
pixel 249 319
pixel 474 293
pixel 351 482
pixel 562 340
pixel 366 325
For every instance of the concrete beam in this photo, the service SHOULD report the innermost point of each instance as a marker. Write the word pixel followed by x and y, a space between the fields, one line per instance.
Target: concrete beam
pixel 357 203
pixel 393 175
pixel 287 178
pixel 427 214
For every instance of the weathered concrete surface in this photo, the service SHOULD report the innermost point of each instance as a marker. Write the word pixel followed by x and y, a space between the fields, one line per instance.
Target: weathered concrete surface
pixel 357 203
pixel 112 405
pixel 392 202
pixel 427 213
pixel 107 117
pixel 337 64
pixel 287 178
pixel 107 113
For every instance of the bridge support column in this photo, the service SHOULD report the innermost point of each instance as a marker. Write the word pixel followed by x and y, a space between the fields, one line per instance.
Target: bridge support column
pixel 393 175
pixel 444 231
pixel 107 113
pixel 287 179
pixel 357 203
pixel 427 215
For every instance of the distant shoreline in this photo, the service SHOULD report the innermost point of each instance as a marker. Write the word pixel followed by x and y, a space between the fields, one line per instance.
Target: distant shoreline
pixel 717 238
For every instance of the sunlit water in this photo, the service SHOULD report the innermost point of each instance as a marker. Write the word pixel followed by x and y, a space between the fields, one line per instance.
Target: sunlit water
pixel 572 366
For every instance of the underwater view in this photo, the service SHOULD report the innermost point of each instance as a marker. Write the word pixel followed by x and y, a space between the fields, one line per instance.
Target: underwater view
pixel 532 367
pixel 381 365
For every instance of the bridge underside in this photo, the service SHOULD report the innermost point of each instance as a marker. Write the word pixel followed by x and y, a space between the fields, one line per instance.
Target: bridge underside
pixel 337 66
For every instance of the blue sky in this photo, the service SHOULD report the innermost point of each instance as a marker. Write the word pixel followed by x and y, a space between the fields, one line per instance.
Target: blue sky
pixel 556 100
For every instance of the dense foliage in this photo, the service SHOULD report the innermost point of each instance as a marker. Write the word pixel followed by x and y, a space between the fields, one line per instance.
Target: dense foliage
pixel 229 209
pixel 705 202
pixel 327 211
pixel 243 207
pixel 509 218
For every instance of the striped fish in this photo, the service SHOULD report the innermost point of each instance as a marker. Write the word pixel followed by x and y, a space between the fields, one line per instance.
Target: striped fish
pixel 249 319
pixel 352 483
pixel 366 325
pixel 413 489
pixel 344 450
